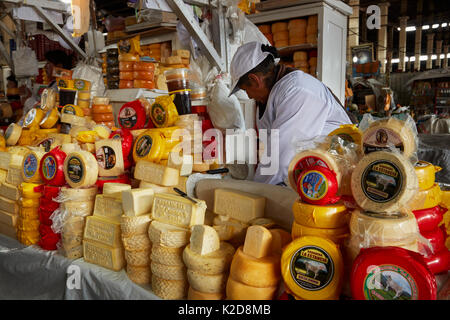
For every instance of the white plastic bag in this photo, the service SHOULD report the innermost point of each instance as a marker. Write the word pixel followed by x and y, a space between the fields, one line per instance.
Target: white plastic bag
pixel 90 72
pixel 225 112
pixel 25 62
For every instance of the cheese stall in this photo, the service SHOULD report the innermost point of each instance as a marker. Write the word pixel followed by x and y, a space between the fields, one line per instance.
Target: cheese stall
pixel 112 185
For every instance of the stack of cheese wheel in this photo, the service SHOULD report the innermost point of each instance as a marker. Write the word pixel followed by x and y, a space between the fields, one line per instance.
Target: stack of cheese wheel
pixel 76 204
pixel 208 261
pixel 143 75
pixel 255 269
pixel 47 207
pixel 301 61
pixel 102 111
pixel 266 30
pixel 312 65
pixel 328 221
pixel 137 205
pixel 312 268
pixel 126 68
pixel 169 232
pixel 280 34
pixel 83 95
pixel 9 195
pixel 102 238
pixel 429 214
pixel 232 216
pixel 109 156
pixel 28 222
pixel 297 31
pixel 152 51
pixel 312 29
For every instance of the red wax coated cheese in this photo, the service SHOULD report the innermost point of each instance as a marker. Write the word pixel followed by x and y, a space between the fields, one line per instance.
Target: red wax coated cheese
pixel 48 205
pixel 318 185
pixel 391 273
pixel 436 237
pixel 132 116
pixel 51 192
pixel 44 217
pixel 439 262
pixel 51 167
pixel 120 179
pixel 429 219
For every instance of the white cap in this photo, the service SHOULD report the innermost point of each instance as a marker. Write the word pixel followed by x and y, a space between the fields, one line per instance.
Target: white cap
pixel 247 57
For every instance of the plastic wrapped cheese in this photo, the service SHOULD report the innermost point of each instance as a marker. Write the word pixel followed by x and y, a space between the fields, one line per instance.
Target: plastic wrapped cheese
pixel 80 169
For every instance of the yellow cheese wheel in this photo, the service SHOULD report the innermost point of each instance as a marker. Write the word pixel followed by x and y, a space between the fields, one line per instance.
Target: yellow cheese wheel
pixel 348 132
pixel 261 272
pixel 28 237
pixel 27 190
pixel 83 104
pixel 102 108
pixel 312 268
pixel 27 224
pixel 73 110
pixel 30 166
pixel 169 289
pixel 48 99
pixel 281 35
pixel 12 134
pixel 84 95
pixel 197 295
pixel 383 182
pixel 294 41
pixel 281 43
pixel 213 263
pixel 33 118
pixel 80 169
pixel 102 117
pixel 296 24
pixel 29 212
pixel 279 26
pixel 149 146
pixel 28 202
pixel 50 119
pixel 337 235
pixel 426 199
pixel 329 216
pixel 265 28
pixel 100 101
pixel 301 64
pixel 236 290
pixel 425 172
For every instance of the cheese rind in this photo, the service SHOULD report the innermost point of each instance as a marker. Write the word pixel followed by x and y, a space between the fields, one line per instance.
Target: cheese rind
pixel 197 295
pixel 238 205
pixel 156 188
pixel 337 235
pixel 169 272
pixel 169 289
pixel 11 232
pixel 9 191
pixel 182 163
pixel 214 263
pixel 178 211
pixel 156 173
pixel 167 256
pixel 7 218
pixel 80 169
pixel 102 255
pixel 137 202
pixel 103 231
pixel 258 242
pixel 134 225
pixel 138 258
pixel 138 242
pixel 10 206
pixel 114 190
pixel 139 275
pixel 108 207
pixel 328 216
pixel 204 239
pixel 209 283
pixel 236 290
pixel 168 235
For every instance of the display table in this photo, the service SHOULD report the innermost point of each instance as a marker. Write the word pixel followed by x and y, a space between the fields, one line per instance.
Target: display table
pixel 30 273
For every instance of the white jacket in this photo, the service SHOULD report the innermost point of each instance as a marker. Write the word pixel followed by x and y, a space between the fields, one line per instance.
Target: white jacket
pixel 301 107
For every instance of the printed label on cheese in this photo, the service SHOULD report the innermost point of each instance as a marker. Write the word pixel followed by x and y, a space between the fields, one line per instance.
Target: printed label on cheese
pixel 127 118
pixel 144 145
pixel 29 117
pixel 106 157
pixel 158 114
pixel 382 139
pixel 108 207
pixel 104 256
pixel 103 231
pixel 390 282
pixel 75 169
pixel 382 181
pixel 314 185
pixel 30 166
pixel 312 268
pixel 306 162
pixel 49 167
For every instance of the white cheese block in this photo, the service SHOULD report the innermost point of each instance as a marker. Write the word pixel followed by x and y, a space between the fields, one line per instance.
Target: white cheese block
pixel 204 239
pixel 108 207
pixel 167 256
pixel 114 190
pixel 137 202
pixel 3 175
pixel 156 188
pixel 9 191
pixel 238 205
pixel 7 218
pixel 102 255
pixel 103 231
pixel 5 158
pixel 178 211
pixel 169 289
pixel 168 272
pixel 258 242
pixel 183 163
pixel 109 157
pixel 214 263
pixel 14 176
pixel 156 173
pixel 135 225
pixel 10 206
pixel 168 235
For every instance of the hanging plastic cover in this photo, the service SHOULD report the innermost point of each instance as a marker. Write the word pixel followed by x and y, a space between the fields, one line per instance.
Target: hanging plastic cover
pixel 25 62
pixel 89 70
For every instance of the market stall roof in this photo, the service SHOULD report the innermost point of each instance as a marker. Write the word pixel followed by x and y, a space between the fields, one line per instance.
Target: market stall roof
pixel 430 74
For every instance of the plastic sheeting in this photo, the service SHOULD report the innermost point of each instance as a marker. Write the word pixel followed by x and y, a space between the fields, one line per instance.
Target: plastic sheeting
pixel 436 150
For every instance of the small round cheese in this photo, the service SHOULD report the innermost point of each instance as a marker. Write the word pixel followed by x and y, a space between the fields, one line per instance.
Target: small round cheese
pixel 330 216
pixel 236 290
pixel 337 235
pixel 169 289
pixel 169 272
pixel 80 169
pixel 425 172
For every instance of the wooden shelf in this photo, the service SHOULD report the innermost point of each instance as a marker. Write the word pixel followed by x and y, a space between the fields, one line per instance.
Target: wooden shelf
pixel 287 51
pixel 143 34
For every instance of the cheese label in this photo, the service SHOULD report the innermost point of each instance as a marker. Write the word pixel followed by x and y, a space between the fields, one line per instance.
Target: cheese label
pixel 346 137
pixel 382 139
pixel 144 145
pixel 29 118
pixel 68 109
pixel 381 181
pixel 312 268
pixel 49 167
pixel 9 131
pixel 390 282
pixel 75 169
pixel 127 118
pixel 158 114
pixel 314 185
pixel 30 166
pixel 46 144
pixel 80 84
pixel 307 162
pixel 106 157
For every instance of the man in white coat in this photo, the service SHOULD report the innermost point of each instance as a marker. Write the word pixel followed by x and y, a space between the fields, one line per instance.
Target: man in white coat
pixel 297 104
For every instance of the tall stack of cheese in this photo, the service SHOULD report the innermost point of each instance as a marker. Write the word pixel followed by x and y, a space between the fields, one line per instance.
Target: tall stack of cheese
pixel 76 205
pixel 312 29
pixel 144 75
pixel 233 212
pixel 48 210
pixel 83 95
pixel 301 61
pixel 126 66
pixel 297 31
pixel 137 205
pixel 280 34
pixel 28 224
pixel 267 31
pixel 255 268
pixel 208 261
pixel 102 111
pixel 9 194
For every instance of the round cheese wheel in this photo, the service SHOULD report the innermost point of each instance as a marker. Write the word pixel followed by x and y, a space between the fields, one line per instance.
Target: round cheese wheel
pixel 144 66
pixel 52 167
pixel 128 57
pixel 381 134
pixel 169 289
pixel 50 119
pixel 146 84
pixel 383 182
pixel 391 273
pixel 236 290
pixel 213 263
pixel 279 26
pixel 313 63
pixel 312 268
pixel 139 275
pixel 281 43
pixel 265 28
pixel 281 35
pixel 209 283
pixel 300 56
pixel 262 272
pixel 33 118
pixel 12 134
pixel 167 256
pixel 269 37
pixel 80 169
pixel 331 216
pixel 348 132
pixel 126 84
pixel 301 64
pixel 439 262
pixel 311 158
pixel 425 199
pixel 295 41
pixel 29 213
pixel 84 104
pixel 48 204
pixel 296 24
pixel 48 99
pixel 429 219
pixel 79 194
pixel 377 228
pixel 30 190
pixel 100 101
pixel 197 295
pixel 126 75
pixel 149 146
pixel 337 235
pixel 51 192
pixel 132 115
pixel 425 172
pixel 125 66
pixel 436 237
pixel 143 75
pixel 318 185
pixel 84 95
pixel 30 166
pixel 168 272
pixel 115 189
pixel 73 110
pixel 27 225
pixel 102 117
pixel 102 108
pixel 29 202
pixel 82 85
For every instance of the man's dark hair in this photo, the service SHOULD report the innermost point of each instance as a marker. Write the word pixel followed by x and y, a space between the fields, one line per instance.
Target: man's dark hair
pixel 266 67
pixel 59 57
pixel 12 78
